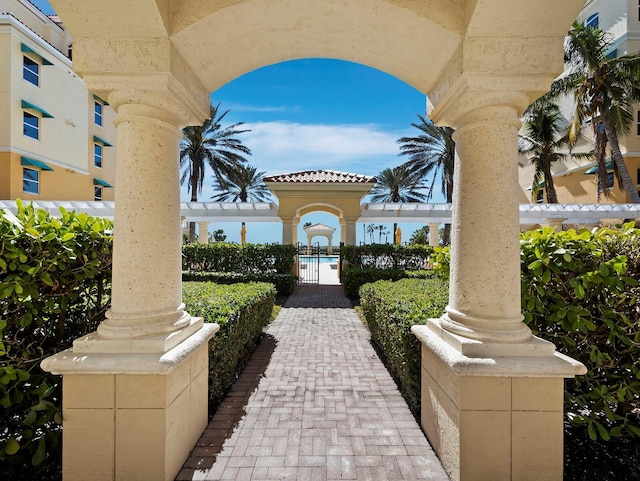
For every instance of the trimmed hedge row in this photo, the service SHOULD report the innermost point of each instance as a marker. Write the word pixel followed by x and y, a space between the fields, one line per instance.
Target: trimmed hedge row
pixel 284 283
pixel 390 309
pixel 353 279
pixel 242 310
pixel 387 256
pixel 54 287
pixel 248 258
pixel 580 290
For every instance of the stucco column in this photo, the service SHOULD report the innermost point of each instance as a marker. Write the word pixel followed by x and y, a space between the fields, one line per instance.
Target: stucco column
pixel 287 230
pixel 147 314
pixel 484 293
pixel 556 224
pixel 203 232
pixel 350 231
pixel 434 234
pixel 343 230
pixel 294 229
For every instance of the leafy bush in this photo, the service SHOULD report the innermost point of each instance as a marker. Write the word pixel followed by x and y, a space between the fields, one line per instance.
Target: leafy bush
pixel 353 279
pixel 387 256
pixel 54 287
pixel 284 283
pixel 579 293
pixel 390 309
pixel 248 258
pixel 242 310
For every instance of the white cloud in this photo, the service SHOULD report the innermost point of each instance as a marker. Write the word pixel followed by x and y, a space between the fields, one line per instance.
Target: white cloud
pixel 280 147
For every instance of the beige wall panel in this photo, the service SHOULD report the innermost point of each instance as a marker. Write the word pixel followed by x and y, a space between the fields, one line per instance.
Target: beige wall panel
pixel 5 175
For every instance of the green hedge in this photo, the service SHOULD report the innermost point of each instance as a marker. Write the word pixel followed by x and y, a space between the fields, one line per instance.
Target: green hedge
pixel 387 256
pixel 353 279
pixel 242 310
pixel 284 283
pixel 54 287
pixel 390 309
pixel 580 291
pixel 248 258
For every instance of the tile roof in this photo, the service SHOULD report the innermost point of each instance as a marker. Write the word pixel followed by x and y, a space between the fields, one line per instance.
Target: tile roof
pixel 321 227
pixel 321 176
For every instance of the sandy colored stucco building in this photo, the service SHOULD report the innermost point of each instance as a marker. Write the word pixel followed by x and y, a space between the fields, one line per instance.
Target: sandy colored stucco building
pixel 57 140
pixel 621 19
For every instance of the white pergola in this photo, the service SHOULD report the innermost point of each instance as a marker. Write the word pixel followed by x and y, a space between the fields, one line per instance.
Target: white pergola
pixel 530 214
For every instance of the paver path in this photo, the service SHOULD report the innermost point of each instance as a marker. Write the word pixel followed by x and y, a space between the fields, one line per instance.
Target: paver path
pixel 324 409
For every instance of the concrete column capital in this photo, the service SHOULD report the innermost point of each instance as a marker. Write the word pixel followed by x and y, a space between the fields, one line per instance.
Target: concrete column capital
pixel 159 97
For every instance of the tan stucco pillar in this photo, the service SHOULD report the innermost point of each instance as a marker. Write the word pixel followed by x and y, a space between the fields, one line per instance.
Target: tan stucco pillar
pixel 343 231
pixel 294 229
pixel 434 234
pixel 556 224
pixel 350 231
pixel 484 295
pixel 135 392
pixel 203 232
pixel 492 394
pixel 287 230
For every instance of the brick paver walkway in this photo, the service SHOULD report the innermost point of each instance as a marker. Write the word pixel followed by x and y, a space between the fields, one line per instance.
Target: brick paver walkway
pixel 324 409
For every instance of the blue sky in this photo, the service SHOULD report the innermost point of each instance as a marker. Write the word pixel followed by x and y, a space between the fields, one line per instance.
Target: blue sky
pixel 316 114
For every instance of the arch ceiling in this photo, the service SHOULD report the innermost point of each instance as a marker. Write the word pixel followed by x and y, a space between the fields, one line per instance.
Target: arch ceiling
pixel 440 47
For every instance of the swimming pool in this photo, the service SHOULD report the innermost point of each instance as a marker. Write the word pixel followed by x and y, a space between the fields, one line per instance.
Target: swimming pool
pixel 323 259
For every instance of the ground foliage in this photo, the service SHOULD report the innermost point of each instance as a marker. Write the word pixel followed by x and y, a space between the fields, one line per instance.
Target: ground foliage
pixel 284 283
pixel 248 258
pixel 579 290
pixel 387 256
pixel 390 309
pixel 353 279
pixel 242 311
pixel 54 287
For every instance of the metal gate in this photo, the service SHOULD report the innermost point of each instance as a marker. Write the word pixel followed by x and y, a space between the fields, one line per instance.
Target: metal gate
pixel 309 263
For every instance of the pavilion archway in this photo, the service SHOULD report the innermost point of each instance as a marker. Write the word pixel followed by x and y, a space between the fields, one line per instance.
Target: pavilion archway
pixel 156 61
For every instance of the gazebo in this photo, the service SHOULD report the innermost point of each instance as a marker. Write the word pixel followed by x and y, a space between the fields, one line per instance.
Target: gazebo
pixel 320 230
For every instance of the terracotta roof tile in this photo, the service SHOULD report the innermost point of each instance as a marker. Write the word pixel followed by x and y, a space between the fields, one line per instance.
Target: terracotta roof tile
pixel 321 176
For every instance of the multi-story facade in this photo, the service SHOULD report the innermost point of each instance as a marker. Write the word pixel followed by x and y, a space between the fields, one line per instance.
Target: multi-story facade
pixel 56 138
pixel 575 180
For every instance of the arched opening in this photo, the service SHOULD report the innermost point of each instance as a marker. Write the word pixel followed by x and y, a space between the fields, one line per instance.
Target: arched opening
pixel 480 63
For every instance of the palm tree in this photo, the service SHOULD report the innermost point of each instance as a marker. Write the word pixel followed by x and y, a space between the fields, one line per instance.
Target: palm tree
pixel 397 185
pixel 432 152
pixel 604 90
pixel 243 184
pixel 213 145
pixel 542 143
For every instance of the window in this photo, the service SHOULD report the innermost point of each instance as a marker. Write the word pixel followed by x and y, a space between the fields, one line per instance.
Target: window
pixel 30 70
pixel 609 180
pixel 638 123
pixel 97 193
pixel 30 180
pixel 593 21
pixel 638 177
pixel 540 196
pixel 97 113
pixel 97 155
pixel 30 125
pixel 612 54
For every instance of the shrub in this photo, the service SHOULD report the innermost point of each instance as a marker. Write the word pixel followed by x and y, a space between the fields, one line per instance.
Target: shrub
pixel 242 310
pixel 353 279
pixel 54 287
pixel 284 283
pixel 248 258
pixel 387 256
pixel 390 309
pixel 579 293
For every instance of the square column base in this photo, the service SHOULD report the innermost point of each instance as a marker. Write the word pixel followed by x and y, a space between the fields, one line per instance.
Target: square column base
pixel 120 423
pixel 497 418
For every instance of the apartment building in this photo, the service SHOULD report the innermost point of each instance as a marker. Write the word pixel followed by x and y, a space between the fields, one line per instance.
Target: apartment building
pixel 57 139
pixel 575 180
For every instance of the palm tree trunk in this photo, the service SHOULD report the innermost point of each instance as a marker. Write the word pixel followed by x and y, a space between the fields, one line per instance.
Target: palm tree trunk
pixel 194 198
pixel 623 172
pixel 395 228
pixel 446 235
pixel 549 187
pixel 600 154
